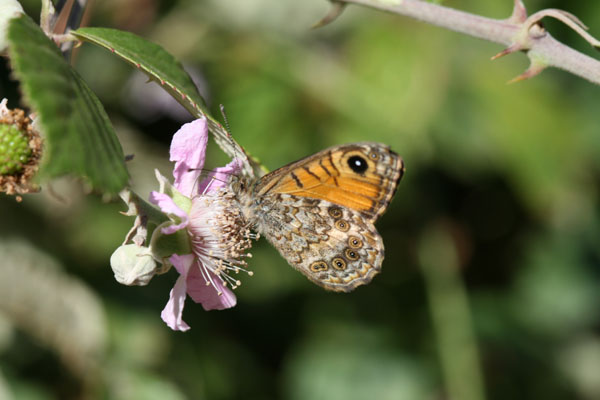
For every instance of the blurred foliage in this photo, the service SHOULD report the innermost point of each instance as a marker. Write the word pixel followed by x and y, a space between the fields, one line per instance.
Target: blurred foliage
pixel 508 174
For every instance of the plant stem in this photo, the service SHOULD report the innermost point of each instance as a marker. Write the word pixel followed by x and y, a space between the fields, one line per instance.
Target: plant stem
pixel 542 49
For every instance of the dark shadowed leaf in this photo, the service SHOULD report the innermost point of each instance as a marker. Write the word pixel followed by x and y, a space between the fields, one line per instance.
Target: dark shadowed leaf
pixel 79 138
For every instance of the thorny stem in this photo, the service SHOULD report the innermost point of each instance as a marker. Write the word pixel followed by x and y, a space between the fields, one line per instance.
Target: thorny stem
pixel 516 33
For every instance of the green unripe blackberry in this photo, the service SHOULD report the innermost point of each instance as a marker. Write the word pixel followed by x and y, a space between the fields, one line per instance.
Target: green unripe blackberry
pixel 14 149
pixel 20 152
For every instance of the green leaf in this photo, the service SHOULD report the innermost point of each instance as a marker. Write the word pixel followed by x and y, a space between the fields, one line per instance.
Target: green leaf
pixel 79 138
pixel 163 68
pixel 152 59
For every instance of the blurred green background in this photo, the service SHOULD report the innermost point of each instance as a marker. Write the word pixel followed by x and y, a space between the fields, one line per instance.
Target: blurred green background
pixel 490 284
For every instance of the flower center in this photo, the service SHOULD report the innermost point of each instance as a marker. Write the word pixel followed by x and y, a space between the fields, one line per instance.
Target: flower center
pixel 220 237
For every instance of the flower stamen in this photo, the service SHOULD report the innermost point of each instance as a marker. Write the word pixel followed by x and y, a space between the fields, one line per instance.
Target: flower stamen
pixel 219 237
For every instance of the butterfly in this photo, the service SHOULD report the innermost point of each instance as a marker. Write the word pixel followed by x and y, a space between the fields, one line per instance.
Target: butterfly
pixel 319 212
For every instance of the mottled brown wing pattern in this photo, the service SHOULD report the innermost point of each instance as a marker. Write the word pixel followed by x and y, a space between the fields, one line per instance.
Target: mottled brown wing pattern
pixel 335 247
pixel 359 176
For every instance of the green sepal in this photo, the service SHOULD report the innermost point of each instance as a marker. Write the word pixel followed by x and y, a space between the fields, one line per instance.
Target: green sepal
pixel 164 246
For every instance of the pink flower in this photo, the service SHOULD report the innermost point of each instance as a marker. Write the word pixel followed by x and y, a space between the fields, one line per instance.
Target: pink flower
pixel 217 234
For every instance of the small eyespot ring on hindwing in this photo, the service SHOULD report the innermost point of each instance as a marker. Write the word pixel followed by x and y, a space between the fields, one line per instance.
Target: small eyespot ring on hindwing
pixel 354 242
pixel 342 225
pixel 373 155
pixel 319 266
pixel 351 254
pixel 339 263
pixel 335 212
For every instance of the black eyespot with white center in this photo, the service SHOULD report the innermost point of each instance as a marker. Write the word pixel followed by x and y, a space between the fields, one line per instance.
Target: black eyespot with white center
pixel 335 212
pixel 351 254
pixel 339 263
pixel 358 164
pixel 355 242
pixel 319 266
pixel 342 225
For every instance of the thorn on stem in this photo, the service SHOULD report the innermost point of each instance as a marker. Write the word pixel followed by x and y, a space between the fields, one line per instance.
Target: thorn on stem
pixel 510 49
pixel 519 14
pixel 336 10
pixel 534 69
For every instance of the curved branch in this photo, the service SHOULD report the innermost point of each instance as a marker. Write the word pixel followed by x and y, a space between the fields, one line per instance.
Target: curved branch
pixel 517 33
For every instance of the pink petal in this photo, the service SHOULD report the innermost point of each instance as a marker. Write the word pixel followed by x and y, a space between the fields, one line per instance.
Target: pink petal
pixel 182 263
pixel 168 206
pixel 207 295
pixel 188 150
pixel 220 176
pixel 172 313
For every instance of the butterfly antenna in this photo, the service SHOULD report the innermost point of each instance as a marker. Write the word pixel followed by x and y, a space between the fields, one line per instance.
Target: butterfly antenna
pixel 207 171
pixel 225 120
pixel 229 136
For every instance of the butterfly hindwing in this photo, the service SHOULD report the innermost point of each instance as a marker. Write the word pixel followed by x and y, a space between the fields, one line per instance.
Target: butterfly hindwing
pixel 334 247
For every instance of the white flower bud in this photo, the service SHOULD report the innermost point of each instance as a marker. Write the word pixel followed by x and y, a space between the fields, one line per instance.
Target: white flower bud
pixel 133 265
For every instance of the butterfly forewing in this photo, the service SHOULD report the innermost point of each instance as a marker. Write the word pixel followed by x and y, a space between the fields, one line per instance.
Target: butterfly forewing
pixel 360 176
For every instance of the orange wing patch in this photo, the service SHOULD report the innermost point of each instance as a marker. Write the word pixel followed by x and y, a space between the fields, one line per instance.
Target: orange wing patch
pixel 362 177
